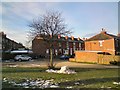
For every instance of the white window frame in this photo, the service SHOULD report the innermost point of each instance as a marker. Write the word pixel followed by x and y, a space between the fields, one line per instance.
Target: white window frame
pixel 101 43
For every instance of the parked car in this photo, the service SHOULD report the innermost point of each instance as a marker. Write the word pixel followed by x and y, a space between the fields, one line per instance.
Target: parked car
pixel 22 58
pixel 64 57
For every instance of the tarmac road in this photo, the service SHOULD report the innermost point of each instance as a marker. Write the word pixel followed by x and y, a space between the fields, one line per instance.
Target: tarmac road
pixel 58 63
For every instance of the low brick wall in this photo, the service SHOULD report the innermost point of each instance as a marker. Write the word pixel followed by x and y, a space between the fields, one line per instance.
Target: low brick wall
pixel 72 59
pixel 90 57
pixel 93 57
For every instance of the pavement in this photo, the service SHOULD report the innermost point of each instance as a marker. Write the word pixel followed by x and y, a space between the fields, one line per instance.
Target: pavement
pixel 58 63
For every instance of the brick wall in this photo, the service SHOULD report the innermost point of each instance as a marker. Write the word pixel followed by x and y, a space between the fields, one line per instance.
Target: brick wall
pixel 101 45
pixel 85 57
pixel 39 47
pixel 93 57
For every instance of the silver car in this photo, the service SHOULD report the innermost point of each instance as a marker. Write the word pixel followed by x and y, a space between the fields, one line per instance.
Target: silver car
pixel 22 58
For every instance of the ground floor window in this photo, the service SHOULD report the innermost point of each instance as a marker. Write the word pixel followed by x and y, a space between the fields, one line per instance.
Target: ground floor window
pixel 56 52
pixel 47 51
pixel 71 51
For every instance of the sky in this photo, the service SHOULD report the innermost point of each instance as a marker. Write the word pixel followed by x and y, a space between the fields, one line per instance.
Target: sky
pixel 84 18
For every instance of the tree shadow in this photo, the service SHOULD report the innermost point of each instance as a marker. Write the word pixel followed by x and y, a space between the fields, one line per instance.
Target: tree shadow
pixel 90 81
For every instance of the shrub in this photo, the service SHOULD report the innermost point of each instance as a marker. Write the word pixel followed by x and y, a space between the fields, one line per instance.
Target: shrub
pixel 115 63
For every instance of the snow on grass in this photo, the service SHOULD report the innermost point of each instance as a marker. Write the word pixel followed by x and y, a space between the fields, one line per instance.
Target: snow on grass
pixel 39 83
pixel 116 83
pixel 64 70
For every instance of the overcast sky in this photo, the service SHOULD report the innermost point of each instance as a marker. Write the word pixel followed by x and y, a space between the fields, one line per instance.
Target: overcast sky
pixel 85 18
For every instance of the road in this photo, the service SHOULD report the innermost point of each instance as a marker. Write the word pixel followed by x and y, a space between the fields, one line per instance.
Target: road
pixel 58 63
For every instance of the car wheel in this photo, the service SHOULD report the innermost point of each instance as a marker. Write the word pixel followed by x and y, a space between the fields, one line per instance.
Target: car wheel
pixel 29 59
pixel 20 59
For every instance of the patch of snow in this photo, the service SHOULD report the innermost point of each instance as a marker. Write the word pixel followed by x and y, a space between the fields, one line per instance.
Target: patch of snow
pixel 69 87
pixel 77 83
pixel 54 86
pixel 26 87
pixel 13 65
pixel 64 70
pixel 39 83
pixel 4 79
pixel 116 83
pixel 25 84
pixel 108 87
pixel 51 71
pixel 102 87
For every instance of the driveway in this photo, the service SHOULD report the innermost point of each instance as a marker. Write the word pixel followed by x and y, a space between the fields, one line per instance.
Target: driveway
pixel 58 63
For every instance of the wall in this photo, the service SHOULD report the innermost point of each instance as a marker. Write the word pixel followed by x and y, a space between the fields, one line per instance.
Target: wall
pixel 39 47
pixel 93 57
pixel 81 56
pixel 106 46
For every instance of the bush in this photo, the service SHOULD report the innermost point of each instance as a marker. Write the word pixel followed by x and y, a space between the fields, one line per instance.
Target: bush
pixel 115 63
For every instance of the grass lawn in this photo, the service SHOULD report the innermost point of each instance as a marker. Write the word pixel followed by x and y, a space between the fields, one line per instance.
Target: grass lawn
pixel 84 78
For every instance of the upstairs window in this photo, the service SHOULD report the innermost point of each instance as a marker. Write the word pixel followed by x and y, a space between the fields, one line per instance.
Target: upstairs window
pixel 74 46
pixel 80 46
pixel 67 45
pixel 59 44
pixel 101 43
pixel 117 43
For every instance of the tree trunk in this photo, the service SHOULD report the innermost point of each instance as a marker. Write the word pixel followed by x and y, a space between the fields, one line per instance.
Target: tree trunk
pixel 51 58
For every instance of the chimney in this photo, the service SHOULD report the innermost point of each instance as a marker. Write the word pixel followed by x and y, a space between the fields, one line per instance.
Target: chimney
pixel 72 37
pixel 59 36
pixel 83 39
pixel 78 38
pixel 2 34
pixel 118 35
pixel 66 37
pixel 103 31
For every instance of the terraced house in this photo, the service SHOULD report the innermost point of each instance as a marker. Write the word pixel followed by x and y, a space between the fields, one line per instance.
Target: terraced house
pixel 6 45
pixel 61 45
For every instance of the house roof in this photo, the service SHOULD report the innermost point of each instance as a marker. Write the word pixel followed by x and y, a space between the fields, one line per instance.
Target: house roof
pixel 63 39
pixel 103 35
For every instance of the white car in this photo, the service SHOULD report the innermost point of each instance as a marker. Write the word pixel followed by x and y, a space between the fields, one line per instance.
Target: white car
pixel 22 57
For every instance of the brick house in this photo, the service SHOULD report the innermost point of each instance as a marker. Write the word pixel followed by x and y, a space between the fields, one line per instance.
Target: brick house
pixel 104 42
pixel 61 45
pixel 6 45
pixel 101 49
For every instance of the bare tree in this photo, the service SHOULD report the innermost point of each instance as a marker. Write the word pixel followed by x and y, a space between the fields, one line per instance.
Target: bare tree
pixel 48 27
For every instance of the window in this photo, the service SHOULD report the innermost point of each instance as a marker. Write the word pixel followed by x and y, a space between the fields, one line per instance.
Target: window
pixel 47 51
pixel 117 44
pixel 80 46
pixel 67 46
pixel 59 44
pixel 70 51
pixel 56 52
pixel 0 46
pixel 74 46
pixel 101 43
